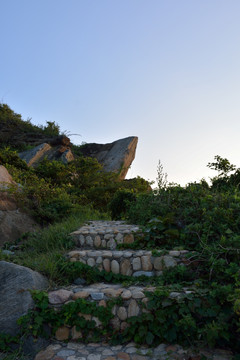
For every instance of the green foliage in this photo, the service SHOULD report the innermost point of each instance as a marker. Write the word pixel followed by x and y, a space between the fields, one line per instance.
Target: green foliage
pixel 43 250
pixel 9 157
pixel 120 203
pixel 71 271
pixel 221 165
pixel 51 128
pixel 6 340
pixel 13 129
pixel 202 218
pixel 161 177
pixel 197 316
pixel 36 320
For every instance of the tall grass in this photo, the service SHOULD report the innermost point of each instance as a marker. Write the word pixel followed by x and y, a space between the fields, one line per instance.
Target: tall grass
pixel 41 251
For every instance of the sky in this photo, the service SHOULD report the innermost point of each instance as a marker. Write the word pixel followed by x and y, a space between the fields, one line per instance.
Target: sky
pixel 167 71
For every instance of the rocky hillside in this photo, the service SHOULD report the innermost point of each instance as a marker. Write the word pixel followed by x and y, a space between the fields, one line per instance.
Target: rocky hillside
pixel 47 142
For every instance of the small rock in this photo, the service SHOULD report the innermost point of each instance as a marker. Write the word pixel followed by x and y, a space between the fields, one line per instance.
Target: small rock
pixel 97 296
pixel 126 268
pixel 174 295
pixel 79 281
pixel 80 295
pixel 87 317
pixel 108 236
pixel 107 352
pixel 138 295
pixel 45 355
pixel 89 241
pixel 117 254
pixel 62 333
pixel 99 260
pixel 66 352
pixel 127 254
pixel 94 357
pixel 133 308
pixel 136 263
pixel 123 356
pixel 119 238
pixel 104 243
pixel 174 253
pixel 145 273
pixel 82 240
pixel 112 292
pixel 122 313
pixel 97 241
pixel 146 263
pixel 91 262
pixel 128 239
pixel 131 350
pixel 126 295
pixel 115 323
pixel 102 303
pixel 139 357
pixel 74 254
pixel 111 244
pixel 75 333
pixel 158 263
pixel 59 296
pixel 106 265
pixel 169 261
pixel 97 321
pixel 115 267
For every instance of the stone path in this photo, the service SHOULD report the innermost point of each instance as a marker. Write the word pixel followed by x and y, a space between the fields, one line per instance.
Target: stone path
pixel 103 351
pixel 97 242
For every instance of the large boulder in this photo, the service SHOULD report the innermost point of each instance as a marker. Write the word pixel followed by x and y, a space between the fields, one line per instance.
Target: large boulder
pixel 15 298
pixel 13 221
pixel 116 156
pixel 52 151
pixel 7 201
pixel 13 224
pixel 5 177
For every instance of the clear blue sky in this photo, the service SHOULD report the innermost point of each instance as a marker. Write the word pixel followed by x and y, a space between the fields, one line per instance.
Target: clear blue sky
pixel 167 71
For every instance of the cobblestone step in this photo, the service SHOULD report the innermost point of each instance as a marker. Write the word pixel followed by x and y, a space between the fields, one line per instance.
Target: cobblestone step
pixel 133 303
pixel 104 234
pixel 103 351
pixel 129 262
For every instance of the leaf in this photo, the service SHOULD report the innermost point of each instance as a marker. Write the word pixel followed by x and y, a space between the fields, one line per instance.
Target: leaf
pixel 166 302
pixel 149 338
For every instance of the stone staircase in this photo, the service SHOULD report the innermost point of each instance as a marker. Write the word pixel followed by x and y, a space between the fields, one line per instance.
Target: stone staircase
pixel 96 245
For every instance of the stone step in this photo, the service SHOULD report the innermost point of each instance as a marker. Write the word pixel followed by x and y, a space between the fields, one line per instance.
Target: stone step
pixel 133 303
pixel 131 351
pixel 104 234
pixel 133 298
pixel 130 262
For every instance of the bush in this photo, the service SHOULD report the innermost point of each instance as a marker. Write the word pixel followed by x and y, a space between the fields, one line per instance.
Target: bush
pixel 120 203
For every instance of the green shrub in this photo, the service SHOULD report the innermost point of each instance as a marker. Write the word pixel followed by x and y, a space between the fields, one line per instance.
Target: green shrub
pixel 120 203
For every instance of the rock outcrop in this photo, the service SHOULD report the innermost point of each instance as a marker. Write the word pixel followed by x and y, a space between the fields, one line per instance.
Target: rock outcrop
pixel 15 298
pixel 7 201
pixel 13 221
pixel 56 149
pixel 116 156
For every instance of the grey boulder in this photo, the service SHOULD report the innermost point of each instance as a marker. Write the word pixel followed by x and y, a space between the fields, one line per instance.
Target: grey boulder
pixel 15 298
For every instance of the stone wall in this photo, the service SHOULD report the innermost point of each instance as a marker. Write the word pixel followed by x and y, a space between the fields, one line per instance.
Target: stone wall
pixel 129 262
pixel 105 234
pixel 134 302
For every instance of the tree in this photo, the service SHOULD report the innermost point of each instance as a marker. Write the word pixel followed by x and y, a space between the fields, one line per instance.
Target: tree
pixel 221 165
